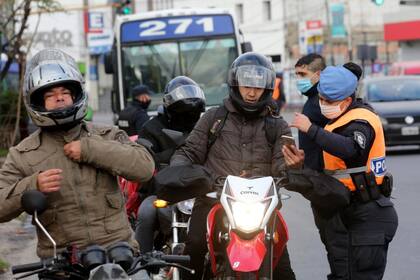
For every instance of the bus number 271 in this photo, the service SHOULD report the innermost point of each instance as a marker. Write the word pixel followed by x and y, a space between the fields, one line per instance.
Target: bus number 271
pixel 160 27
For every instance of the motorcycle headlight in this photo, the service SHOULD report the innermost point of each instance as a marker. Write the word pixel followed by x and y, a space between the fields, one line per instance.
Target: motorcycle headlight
pixel 248 216
pixel 186 206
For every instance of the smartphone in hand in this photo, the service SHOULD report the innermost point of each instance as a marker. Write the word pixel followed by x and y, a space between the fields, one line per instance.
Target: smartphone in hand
pixel 288 140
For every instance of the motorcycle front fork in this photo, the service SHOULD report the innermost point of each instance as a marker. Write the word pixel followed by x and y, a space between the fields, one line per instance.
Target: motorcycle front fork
pixel 177 248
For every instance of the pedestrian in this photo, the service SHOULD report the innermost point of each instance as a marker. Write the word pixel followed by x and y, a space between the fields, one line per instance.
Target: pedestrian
pixel 307 70
pixel 72 162
pixel 134 116
pixel 353 145
pixel 241 138
pixel 183 103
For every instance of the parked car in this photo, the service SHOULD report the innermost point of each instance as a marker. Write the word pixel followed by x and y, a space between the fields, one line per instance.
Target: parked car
pixel 397 101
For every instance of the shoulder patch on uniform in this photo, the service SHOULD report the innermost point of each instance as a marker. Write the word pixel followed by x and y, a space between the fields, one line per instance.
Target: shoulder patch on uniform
pixel 360 139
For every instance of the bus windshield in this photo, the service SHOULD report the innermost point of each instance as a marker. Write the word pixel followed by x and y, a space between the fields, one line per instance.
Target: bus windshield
pixel 205 61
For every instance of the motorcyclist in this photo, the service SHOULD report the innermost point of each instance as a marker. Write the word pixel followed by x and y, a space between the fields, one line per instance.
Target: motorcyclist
pixel 242 146
pixel 183 103
pixel 65 160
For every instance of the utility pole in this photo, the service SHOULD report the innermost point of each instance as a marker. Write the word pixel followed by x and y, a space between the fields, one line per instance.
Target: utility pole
pixel 150 5
pixel 285 33
pixel 349 31
pixel 328 37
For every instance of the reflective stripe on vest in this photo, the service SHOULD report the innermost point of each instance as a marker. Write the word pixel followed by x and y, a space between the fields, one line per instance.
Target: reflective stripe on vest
pixel 276 91
pixel 337 168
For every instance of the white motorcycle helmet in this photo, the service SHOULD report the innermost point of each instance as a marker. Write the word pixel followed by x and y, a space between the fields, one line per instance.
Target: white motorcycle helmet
pixel 48 68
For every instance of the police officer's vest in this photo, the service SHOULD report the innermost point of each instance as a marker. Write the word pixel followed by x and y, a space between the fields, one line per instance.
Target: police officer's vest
pixel 276 91
pixel 376 159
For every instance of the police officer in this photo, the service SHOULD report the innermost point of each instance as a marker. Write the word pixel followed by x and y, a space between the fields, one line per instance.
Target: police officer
pixel 134 116
pixel 357 237
pixel 183 103
pixel 73 163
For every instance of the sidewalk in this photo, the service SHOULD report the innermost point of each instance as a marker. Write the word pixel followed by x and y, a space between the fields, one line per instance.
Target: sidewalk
pixel 17 246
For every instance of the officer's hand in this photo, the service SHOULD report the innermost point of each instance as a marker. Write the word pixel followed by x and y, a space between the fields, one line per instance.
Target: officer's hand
pixel 73 150
pixel 301 122
pixel 293 157
pixel 49 180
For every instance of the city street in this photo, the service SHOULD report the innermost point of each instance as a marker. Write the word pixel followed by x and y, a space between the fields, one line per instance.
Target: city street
pixel 64 61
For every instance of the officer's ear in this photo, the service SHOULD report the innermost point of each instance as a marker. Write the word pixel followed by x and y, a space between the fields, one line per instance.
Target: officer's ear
pixel 346 103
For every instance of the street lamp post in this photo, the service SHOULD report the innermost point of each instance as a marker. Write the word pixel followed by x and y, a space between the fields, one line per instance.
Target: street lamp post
pixel 327 9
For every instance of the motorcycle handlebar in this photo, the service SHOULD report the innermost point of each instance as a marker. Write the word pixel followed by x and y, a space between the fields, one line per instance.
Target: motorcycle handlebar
pixel 26 267
pixel 176 259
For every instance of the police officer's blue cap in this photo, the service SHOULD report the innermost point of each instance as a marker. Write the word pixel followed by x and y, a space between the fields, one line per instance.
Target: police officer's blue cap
pixel 336 83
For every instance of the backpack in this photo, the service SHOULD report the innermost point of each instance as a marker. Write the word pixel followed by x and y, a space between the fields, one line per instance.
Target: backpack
pixel 270 126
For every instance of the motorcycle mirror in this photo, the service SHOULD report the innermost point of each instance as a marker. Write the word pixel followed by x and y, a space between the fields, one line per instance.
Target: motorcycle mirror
pixel 35 203
pixel 34 200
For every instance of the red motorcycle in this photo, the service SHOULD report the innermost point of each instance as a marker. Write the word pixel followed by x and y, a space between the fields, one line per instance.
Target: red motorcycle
pixel 246 234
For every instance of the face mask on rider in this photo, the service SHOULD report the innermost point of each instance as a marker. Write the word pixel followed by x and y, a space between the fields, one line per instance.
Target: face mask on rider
pixel 330 111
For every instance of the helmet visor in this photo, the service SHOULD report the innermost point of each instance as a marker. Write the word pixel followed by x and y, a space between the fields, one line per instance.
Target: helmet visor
pixel 254 76
pixel 183 92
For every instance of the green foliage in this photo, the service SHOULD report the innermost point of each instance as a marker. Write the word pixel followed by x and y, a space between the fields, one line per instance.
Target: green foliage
pixel 3 152
pixel 8 109
pixel 3 265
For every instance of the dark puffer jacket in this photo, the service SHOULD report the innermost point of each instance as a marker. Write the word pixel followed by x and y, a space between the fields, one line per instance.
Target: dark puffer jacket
pixel 241 148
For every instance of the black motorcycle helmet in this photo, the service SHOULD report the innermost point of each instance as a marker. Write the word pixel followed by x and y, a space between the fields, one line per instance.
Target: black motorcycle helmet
pixel 183 103
pixel 251 70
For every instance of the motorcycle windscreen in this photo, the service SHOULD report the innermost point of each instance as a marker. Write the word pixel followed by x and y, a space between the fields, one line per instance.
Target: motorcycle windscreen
pixel 246 255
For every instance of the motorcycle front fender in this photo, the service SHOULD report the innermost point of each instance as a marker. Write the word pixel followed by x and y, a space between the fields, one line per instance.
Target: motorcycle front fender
pixel 246 255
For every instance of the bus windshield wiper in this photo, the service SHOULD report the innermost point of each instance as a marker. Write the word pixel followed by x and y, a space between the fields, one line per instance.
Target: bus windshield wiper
pixel 197 57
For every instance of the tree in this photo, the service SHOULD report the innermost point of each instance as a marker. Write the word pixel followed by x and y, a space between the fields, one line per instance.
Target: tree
pixel 14 15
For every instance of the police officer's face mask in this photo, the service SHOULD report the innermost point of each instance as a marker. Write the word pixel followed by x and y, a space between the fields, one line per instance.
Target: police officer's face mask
pixel 331 111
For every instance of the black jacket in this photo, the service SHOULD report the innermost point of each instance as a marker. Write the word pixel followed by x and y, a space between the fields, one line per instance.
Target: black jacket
pixel 313 152
pixel 162 145
pixel 132 118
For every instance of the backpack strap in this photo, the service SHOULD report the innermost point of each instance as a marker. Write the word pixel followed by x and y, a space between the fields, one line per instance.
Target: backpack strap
pixel 270 127
pixel 270 123
pixel 219 120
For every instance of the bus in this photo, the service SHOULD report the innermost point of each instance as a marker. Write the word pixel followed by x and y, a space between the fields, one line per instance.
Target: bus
pixel 151 48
